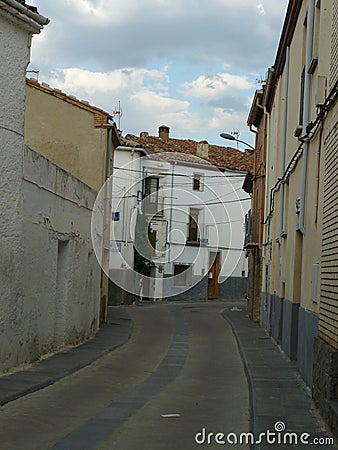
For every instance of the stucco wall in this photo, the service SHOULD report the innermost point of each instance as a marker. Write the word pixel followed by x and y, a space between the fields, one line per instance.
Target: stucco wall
pixel 14 40
pixel 56 298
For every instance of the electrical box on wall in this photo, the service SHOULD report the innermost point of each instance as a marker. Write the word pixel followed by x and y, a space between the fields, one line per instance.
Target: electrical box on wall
pixel 320 90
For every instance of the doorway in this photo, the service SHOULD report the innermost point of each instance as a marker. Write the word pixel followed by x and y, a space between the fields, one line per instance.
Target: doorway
pixel 214 263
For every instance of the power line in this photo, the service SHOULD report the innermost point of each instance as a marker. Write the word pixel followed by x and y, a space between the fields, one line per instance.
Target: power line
pixel 214 203
pixel 181 174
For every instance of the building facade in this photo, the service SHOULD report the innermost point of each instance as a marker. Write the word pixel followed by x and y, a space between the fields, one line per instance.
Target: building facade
pixel 325 371
pixel 188 195
pixel 299 266
pixel 49 277
pixel 255 185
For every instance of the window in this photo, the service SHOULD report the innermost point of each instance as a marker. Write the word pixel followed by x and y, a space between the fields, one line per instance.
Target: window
pixel 150 195
pixel 197 182
pixel 182 274
pixel 193 232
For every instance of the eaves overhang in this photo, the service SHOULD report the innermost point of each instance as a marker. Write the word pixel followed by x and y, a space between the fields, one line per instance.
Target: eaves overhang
pixel 20 14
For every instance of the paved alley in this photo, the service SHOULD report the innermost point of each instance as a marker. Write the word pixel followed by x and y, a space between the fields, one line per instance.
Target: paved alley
pixel 180 372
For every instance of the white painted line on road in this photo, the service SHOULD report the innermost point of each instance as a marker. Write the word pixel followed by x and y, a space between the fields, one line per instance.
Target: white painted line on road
pixel 170 415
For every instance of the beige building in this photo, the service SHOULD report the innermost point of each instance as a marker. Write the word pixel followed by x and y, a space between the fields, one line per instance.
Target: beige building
pixel 255 185
pixel 77 137
pixel 300 262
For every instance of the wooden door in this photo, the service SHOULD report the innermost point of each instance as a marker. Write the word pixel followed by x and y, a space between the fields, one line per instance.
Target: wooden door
pixel 213 275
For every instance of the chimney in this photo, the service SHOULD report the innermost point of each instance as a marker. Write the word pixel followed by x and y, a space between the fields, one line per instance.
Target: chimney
pixel 202 149
pixel 144 134
pixel 163 132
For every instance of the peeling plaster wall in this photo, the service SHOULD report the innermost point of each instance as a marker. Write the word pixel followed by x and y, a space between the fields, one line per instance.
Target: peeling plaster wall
pixel 14 40
pixel 57 300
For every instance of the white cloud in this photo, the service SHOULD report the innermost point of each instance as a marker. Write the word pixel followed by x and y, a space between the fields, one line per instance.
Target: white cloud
pixel 187 63
pixel 76 79
pixel 216 86
pixel 145 105
pixel 261 8
pixel 117 34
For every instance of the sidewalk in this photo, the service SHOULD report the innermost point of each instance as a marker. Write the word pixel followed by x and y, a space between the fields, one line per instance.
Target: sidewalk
pixel 47 371
pixel 277 392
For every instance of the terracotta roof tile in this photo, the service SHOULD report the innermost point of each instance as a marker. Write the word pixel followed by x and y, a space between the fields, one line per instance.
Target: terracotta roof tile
pixel 185 150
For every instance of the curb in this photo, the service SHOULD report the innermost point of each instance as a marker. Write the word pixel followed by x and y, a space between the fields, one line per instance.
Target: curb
pixel 69 361
pixel 247 371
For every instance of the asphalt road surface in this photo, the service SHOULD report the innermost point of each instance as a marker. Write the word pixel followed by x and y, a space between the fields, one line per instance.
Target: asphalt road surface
pixel 179 378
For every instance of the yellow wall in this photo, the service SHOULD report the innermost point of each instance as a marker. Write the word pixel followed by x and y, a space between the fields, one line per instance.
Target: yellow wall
pixel 298 253
pixel 65 134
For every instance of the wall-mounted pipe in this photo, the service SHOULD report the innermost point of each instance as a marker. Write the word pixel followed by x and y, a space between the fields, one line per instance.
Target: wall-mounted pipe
pixel 306 120
pixel 284 134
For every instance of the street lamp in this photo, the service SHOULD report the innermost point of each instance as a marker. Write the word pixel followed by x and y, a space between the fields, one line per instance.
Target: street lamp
pixel 230 137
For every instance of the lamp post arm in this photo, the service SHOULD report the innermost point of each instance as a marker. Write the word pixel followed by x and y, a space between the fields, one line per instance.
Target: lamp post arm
pixel 245 143
pixel 229 137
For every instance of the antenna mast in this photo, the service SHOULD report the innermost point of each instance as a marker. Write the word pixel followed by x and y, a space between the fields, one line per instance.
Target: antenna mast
pixel 118 112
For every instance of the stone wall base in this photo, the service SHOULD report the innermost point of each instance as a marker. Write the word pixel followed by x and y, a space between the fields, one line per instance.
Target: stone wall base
pixel 325 383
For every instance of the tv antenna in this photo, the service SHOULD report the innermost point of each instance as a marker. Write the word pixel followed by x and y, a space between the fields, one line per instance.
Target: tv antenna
pixel 118 112
pixel 36 72
pixel 261 80
pixel 236 133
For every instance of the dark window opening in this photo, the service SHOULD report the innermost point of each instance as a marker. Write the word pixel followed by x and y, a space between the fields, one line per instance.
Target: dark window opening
pixel 197 183
pixel 193 233
pixel 150 195
pixel 181 272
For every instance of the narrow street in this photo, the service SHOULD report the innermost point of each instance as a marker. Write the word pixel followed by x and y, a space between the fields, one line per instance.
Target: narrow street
pixel 180 372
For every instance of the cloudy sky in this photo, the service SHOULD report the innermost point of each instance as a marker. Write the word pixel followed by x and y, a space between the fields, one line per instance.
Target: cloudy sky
pixel 190 64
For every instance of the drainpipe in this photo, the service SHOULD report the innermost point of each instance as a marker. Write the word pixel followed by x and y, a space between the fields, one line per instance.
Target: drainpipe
pixel 282 187
pixel 171 209
pixel 108 181
pixel 307 91
pixel 285 115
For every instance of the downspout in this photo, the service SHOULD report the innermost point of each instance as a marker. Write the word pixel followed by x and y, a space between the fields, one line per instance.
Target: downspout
pixel 171 209
pixel 108 181
pixel 284 130
pixel 282 187
pixel 307 91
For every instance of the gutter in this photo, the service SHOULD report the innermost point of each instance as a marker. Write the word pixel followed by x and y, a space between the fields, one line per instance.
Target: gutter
pixel 132 149
pixel 38 18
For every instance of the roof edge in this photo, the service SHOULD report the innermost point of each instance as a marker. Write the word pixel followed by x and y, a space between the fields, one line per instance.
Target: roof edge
pixel 70 98
pixel 23 9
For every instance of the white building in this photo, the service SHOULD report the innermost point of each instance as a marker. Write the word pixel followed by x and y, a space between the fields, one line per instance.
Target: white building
pixel 49 277
pixel 189 199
